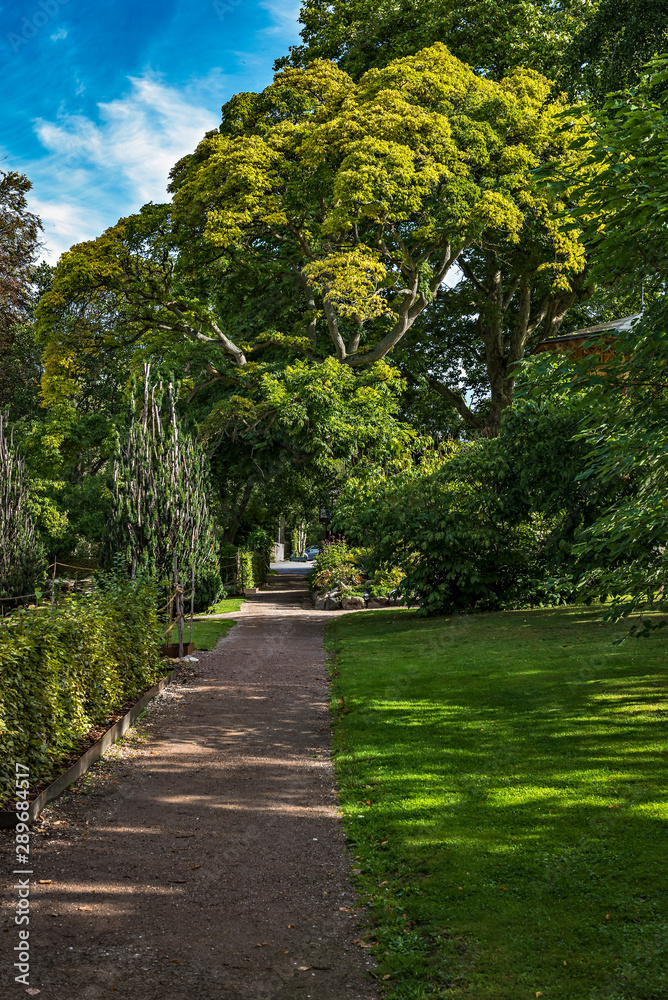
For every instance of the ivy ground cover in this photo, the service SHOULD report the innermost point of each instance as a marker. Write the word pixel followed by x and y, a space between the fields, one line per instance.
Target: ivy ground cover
pixel 503 784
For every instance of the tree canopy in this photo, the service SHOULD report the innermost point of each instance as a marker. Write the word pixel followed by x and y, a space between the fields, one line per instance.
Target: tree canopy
pixel 490 36
pixel 324 217
pixel 589 47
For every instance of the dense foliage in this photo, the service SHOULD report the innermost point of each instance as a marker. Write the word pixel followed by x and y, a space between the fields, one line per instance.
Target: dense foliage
pixel 19 243
pixel 323 219
pixel 589 47
pixel 64 672
pixel 161 512
pixel 625 423
pixel 489 523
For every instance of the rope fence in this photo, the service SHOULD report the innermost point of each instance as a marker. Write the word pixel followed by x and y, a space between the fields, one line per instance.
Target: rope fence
pixel 231 572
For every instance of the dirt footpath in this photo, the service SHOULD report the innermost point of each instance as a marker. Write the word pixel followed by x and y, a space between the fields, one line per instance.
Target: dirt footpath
pixel 204 861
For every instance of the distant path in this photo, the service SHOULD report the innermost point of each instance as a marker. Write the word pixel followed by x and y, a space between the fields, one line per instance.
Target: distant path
pixel 204 846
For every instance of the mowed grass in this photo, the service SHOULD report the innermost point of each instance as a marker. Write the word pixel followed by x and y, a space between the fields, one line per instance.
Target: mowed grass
pixel 227 605
pixel 504 786
pixel 207 631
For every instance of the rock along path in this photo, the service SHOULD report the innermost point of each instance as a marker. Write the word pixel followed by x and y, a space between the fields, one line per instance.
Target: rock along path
pixel 208 862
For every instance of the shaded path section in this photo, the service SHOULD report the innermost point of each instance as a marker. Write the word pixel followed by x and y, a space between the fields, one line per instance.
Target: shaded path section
pixel 212 864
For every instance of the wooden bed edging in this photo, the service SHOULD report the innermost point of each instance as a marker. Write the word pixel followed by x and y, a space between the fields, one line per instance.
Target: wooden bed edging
pixel 63 781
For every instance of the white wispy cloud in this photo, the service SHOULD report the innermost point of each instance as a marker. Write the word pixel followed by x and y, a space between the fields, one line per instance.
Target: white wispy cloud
pixel 65 223
pixel 284 13
pixel 136 139
pixel 58 35
pixel 118 161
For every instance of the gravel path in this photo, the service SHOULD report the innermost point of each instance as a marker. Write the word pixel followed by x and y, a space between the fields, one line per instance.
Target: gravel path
pixel 203 859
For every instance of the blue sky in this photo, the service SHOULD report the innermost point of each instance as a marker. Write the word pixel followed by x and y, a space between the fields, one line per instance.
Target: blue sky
pixel 100 99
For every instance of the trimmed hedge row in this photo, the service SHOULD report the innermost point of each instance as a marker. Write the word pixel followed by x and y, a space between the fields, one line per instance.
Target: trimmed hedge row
pixel 62 674
pixel 254 567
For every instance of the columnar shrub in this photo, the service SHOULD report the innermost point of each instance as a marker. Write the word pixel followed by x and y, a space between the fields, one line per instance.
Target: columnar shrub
pixel 21 551
pixel 160 504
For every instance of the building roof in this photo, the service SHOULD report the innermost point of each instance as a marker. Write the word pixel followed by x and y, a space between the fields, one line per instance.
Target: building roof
pixel 615 326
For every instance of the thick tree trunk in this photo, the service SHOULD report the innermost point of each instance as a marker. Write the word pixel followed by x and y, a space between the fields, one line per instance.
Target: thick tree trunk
pixel 235 521
pixel 506 343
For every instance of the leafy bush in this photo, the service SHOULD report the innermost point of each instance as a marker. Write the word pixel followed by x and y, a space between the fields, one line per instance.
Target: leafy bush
pixel 336 567
pixel 254 567
pixel 385 582
pixel 61 674
pixel 484 524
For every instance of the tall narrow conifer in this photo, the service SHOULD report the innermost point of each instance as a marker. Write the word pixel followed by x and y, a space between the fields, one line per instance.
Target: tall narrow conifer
pixel 160 505
pixel 22 556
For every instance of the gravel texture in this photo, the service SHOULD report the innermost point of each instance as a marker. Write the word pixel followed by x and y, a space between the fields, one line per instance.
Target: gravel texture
pixel 203 859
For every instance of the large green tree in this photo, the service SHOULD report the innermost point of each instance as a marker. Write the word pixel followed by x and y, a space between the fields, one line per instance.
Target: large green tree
pixel 20 233
pixel 325 217
pixel 19 243
pixel 623 193
pixel 488 35
pixel 589 47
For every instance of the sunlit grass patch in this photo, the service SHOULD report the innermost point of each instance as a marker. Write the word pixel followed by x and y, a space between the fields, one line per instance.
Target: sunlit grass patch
pixel 226 605
pixel 205 633
pixel 503 780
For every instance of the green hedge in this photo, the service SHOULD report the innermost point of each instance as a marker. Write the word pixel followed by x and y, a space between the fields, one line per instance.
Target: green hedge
pixel 62 674
pixel 255 567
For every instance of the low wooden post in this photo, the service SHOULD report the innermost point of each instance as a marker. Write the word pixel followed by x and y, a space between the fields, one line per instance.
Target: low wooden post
pixel 179 606
pixel 192 599
pixel 53 584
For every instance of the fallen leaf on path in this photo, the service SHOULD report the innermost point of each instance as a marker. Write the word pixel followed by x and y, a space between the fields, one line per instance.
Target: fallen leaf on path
pixel 387 976
pixel 304 968
pixel 284 951
pixel 180 880
pixel 290 926
pixel 365 944
pixel 262 944
pixel 45 881
pixel 174 960
pixel 33 992
pixel 346 909
pixel 194 867
pixel 356 871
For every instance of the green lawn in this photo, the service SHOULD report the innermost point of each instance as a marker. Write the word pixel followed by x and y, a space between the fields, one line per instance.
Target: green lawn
pixel 207 631
pixel 504 784
pixel 226 605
